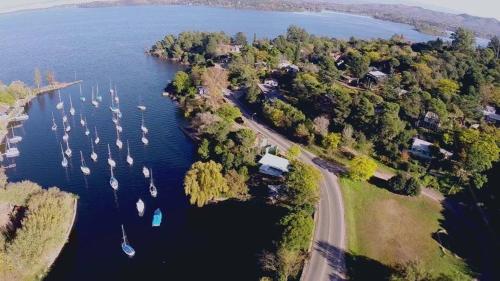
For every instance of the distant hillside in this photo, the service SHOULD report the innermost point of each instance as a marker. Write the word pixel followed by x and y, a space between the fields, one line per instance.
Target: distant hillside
pixel 424 20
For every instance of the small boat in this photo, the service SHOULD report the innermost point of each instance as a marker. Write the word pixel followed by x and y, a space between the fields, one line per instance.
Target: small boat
pixel 60 104
pixel 97 96
pixel 113 182
pixel 11 151
pixel 65 137
pixel 144 140
pixel 126 248
pixel 141 107
pixel 87 131
pixel 152 187
pixel 115 120
pixel 119 128
pixel 82 98
pixel 119 114
pixel 97 139
pixel 82 122
pixel 71 108
pixel 117 99
pixel 130 160
pixel 64 161
pixel 95 103
pixel 140 207
pixel 114 109
pixel 65 118
pixel 67 128
pixel 111 162
pixel 54 125
pixel 119 142
pixel 68 150
pixel 14 138
pixel 93 155
pixel 145 171
pixel 83 167
pixel 143 128
pixel 157 216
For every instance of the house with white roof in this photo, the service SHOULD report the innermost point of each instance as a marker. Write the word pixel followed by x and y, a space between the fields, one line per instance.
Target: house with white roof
pixel 423 149
pixel 273 165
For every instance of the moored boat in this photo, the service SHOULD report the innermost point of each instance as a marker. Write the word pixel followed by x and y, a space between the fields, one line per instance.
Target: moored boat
pixel 126 248
pixel 157 216
pixel 145 171
pixel 152 187
pixel 140 207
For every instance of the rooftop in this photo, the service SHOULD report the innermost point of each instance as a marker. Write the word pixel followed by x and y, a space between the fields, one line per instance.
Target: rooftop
pixel 274 162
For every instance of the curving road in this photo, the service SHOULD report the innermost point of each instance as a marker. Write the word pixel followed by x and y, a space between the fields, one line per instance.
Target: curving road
pixel 326 261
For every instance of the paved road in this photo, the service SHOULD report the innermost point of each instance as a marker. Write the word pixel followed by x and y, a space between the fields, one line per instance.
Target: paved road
pixel 327 254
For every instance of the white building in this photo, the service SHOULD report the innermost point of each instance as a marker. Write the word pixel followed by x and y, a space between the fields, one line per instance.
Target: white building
pixel 273 165
pixel 422 148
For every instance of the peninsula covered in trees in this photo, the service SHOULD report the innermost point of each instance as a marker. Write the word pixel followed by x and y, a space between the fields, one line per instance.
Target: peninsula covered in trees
pixel 426 110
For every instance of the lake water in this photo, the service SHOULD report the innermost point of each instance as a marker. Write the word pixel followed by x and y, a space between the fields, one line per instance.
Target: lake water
pixel 98 45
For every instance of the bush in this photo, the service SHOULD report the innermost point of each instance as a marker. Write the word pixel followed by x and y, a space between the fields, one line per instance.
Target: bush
pixel 405 184
pixel 362 168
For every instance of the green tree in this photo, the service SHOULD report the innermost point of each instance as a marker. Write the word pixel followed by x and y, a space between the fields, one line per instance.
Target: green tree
pixel 240 39
pixel 293 152
pixel 204 149
pixel 298 227
pixel 403 183
pixel 331 141
pixel 204 182
pixel 447 88
pixel 494 44
pixel 181 82
pixel 463 40
pixel 302 184
pixel 362 168
pixel 237 186
pixel 228 112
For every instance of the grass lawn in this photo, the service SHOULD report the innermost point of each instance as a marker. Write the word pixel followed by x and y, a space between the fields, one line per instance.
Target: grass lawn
pixel 391 229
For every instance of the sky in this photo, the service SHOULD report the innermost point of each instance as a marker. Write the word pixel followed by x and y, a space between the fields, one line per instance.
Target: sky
pixel 483 8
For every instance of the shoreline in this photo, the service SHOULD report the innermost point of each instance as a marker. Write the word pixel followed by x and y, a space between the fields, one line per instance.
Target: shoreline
pixel 20 106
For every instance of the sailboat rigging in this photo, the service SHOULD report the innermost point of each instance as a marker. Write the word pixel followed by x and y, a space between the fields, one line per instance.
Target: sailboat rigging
pixel 93 155
pixel 130 160
pixel 111 162
pixel 83 167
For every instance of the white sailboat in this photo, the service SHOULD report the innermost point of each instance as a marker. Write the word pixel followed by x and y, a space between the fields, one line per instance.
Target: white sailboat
pixel 114 119
pixel 67 128
pixel 152 187
pixel 113 182
pixel 65 137
pixel 93 155
pixel 68 151
pixel 145 171
pixel 126 247
pixel 119 128
pixel 11 151
pixel 82 97
pixel 54 125
pixel 140 207
pixel 111 162
pixel 71 108
pixel 83 167
pixel 119 142
pixel 130 160
pixel 143 127
pixel 64 161
pixel 144 140
pixel 97 139
pixel 112 107
pixel 119 113
pixel 64 118
pixel 60 104
pixel 95 103
pixel 14 138
pixel 87 131
pixel 117 99
pixel 82 122
pixel 97 96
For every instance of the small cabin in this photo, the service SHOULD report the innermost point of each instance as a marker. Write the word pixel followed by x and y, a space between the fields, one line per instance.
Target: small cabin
pixel 423 149
pixel 377 76
pixel 273 165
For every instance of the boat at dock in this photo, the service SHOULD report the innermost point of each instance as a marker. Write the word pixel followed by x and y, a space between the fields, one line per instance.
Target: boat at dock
pixel 111 162
pixel 126 248
pixel 14 138
pixel 145 171
pixel 113 182
pixel 152 187
pixel 157 216
pixel 83 166
pixel 11 152
pixel 140 207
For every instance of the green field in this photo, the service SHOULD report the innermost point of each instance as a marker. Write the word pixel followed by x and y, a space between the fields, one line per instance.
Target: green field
pixel 388 229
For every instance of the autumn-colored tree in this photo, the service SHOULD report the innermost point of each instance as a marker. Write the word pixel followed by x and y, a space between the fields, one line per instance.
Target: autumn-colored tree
pixel 293 152
pixel 321 124
pixel 215 80
pixel 331 141
pixel 50 77
pixel 38 77
pixel 204 182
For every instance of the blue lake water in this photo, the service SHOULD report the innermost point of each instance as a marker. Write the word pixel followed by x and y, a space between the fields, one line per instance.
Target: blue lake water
pixel 99 45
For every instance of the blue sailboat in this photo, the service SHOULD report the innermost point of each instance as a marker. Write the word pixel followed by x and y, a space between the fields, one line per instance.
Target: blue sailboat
pixel 157 217
pixel 126 248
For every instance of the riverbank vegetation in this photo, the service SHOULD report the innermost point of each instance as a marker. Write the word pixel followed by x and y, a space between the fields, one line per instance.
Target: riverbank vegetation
pixel 423 109
pixel 36 228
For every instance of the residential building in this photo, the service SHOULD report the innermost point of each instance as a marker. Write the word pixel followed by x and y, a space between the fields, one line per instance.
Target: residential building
pixel 430 121
pixel 376 76
pixel 423 149
pixel 273 165
pixel 490 115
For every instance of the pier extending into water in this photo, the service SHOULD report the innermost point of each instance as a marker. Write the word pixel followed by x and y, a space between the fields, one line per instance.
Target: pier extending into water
pixel 54 87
